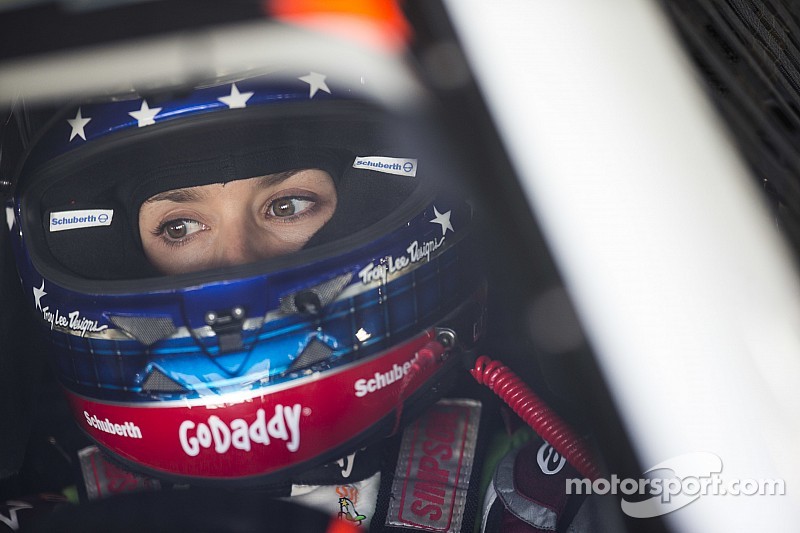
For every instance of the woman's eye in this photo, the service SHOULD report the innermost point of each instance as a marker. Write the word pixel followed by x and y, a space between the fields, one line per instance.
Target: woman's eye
pixel 291 205
pixel 179 229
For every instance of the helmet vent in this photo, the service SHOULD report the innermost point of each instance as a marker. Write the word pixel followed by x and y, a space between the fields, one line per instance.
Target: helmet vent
pixel 321 295
pixel 314 352
pixel 146 330
pixel 157 381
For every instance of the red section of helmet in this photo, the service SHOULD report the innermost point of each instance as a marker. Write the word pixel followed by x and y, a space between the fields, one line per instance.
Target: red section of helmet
pixel 283 426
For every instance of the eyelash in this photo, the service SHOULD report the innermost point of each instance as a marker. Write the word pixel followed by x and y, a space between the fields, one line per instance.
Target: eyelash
pixel 161 229
pixel 294 217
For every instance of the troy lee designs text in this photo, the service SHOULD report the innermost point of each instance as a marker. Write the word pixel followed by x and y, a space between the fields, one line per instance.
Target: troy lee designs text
pixel 390 265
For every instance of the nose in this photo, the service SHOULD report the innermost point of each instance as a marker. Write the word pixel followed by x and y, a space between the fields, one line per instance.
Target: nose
pixel 241 243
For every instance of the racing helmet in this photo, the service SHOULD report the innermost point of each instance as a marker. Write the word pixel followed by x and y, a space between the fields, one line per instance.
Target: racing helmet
pixel 245 372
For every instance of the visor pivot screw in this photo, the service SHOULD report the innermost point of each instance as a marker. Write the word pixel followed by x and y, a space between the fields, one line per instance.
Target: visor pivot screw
pixel 308 302
pixel 237 312
pixel 447 337
pixel 211 318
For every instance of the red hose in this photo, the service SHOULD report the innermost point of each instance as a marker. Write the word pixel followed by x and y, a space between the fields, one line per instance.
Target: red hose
pixel 525 403
pixel 528 406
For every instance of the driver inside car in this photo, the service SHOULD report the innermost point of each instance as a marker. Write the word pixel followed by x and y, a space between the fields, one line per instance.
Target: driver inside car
pixel 268 283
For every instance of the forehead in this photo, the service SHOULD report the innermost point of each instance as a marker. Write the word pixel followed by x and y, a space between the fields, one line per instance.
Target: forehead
pixel 202 192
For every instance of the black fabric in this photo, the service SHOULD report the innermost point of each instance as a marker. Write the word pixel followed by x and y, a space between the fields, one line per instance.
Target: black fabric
pixel 225 168
pixel 365 462
pixel 101 252
pixel 20 371
pixel 364 198
pixel 494 518
pixel 185 510
pixel 124 170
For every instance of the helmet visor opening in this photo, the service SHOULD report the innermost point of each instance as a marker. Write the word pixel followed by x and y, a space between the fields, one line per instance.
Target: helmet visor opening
pixel 319 163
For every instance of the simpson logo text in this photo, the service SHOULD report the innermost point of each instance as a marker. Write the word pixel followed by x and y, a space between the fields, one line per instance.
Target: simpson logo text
pixel 436 454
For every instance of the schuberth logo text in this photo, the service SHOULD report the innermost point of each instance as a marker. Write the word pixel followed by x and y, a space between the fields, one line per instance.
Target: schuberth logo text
pixel 388 165
pixel 83 218
pixel 380 380
pixel 126 429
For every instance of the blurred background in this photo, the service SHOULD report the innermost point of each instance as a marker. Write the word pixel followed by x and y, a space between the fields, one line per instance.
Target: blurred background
pixel 637 169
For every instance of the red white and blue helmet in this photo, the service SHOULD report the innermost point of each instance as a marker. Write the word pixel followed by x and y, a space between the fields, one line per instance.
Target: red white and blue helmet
pixel 253 371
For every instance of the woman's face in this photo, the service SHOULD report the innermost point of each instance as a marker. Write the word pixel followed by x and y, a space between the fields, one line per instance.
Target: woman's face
pixel 197 228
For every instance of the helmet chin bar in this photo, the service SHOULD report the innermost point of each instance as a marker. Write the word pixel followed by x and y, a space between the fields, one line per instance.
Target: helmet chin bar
pixel 283 432
pixel 256 438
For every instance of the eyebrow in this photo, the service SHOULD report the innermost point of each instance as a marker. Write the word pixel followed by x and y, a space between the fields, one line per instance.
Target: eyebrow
pixel 189 194
pixel 192 194
pixel 271 180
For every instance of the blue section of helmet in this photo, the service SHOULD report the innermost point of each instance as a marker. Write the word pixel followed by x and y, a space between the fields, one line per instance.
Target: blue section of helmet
pixel 373 318
pixel 91 121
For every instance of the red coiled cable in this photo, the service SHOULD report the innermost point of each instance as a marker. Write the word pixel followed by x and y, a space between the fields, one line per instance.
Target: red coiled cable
pixel 532 409
pixel 521 398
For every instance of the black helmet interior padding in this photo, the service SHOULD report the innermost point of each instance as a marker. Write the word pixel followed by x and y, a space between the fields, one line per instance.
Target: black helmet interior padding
pixel 364 198
pixel 121 173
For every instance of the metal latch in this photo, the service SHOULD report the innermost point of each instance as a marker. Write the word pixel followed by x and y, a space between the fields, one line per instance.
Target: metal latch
pixel 228 328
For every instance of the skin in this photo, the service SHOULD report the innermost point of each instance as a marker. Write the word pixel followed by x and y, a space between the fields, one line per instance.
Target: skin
pixel 239 222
